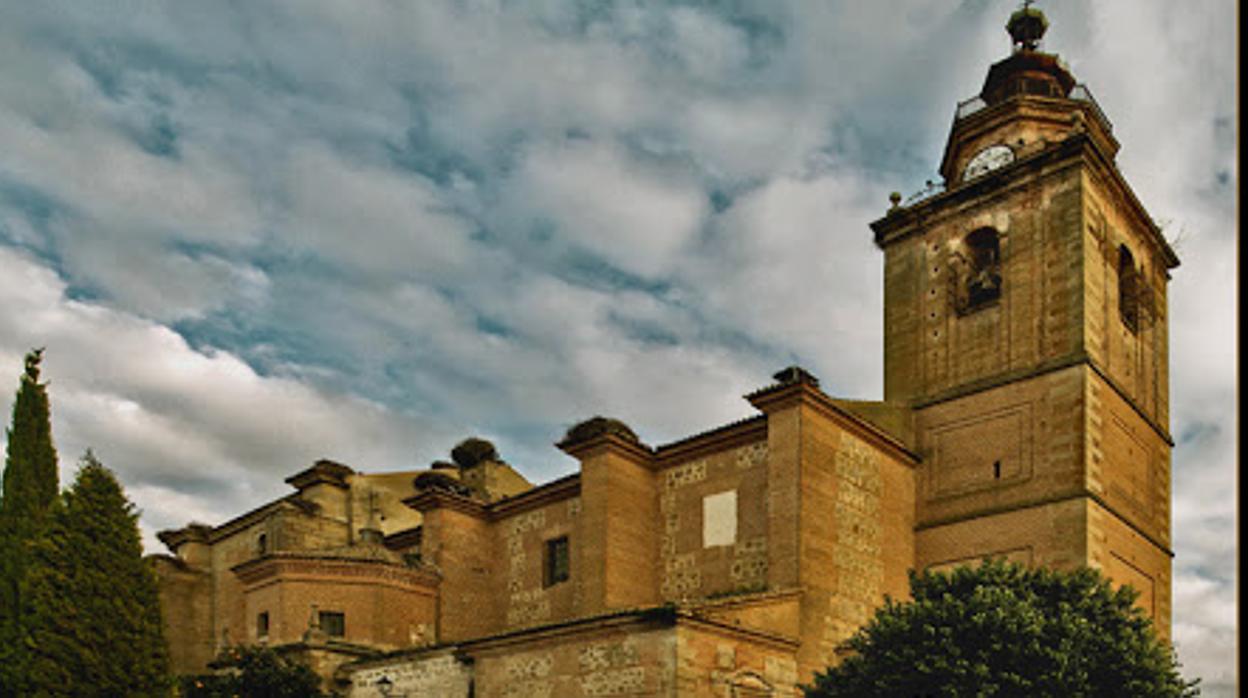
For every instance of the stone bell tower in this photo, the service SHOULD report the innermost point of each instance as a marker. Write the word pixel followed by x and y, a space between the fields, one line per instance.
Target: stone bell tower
pixel 1025 325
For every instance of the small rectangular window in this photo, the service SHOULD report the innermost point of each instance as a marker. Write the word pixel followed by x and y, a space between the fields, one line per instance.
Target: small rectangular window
pixel 262 624
pixel 333 623
pixel 556 567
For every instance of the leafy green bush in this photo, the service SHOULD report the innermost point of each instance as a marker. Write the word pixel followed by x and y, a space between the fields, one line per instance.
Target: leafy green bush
pixel 1002 629
pixel 254 672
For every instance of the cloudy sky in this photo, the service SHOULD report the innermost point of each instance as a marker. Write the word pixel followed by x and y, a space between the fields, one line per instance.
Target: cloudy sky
pixel 252 234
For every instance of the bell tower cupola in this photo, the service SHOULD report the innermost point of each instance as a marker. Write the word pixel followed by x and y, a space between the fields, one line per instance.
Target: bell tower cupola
pixel 1028 99
pixel 1025 326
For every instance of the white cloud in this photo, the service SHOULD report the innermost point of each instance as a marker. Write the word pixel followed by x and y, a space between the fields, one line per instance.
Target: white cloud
pixel 343 196
pixel 793 262
pixel 157 411
pixel 638 217
pixel 371 218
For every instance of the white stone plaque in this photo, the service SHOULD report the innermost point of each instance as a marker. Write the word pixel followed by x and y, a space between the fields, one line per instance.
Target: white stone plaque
pixel 719 519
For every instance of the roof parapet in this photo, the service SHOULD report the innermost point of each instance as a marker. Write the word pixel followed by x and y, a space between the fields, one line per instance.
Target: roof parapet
pixel 324 471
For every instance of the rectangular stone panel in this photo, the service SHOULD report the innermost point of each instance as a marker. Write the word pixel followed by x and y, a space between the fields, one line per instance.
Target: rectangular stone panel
pixel 719 519
pixel 982 451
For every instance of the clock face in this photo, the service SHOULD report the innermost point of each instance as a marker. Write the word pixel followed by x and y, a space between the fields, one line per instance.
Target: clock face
pixel 987 160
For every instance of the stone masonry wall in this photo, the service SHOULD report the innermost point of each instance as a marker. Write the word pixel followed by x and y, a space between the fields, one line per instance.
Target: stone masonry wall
pixel 856 535
pixel 442 675
pixel 1052 536
pixel 607 662
pixel 690 659
pixel 378 610
pixel 229 616
pixel 930 348
pixel 711 664
pixel 521 541
pixel 461 547
pixel 1016 443
pixel 186 605
pixel 1137 360
pixel 1126 557
pixel 1127 461
pixel 690 569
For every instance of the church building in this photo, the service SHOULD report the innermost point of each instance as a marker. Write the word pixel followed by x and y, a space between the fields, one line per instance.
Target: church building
pixel 1025 415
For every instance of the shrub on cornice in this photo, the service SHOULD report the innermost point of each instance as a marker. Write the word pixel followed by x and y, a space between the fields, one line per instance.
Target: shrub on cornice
pixel 598 426
pixel 473 451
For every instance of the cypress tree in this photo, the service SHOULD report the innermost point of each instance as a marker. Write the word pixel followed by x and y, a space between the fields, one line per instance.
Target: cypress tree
pixel 30 487
pixel 94 625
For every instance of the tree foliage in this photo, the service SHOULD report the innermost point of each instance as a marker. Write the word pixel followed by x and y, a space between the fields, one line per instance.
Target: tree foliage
pixel 256 672
pixel 1005 630
pixel 91 600
pixel 30 482
pixel 30 486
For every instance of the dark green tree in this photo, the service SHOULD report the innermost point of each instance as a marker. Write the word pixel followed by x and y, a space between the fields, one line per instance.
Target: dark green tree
pixel 93 612
pixel 1002 629
pixel 256 672
pixel 30 486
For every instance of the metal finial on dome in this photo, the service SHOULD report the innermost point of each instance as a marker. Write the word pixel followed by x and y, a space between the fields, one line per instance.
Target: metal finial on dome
pixel 1026 27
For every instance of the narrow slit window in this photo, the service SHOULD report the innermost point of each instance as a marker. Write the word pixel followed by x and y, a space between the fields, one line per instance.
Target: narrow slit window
pixel 556 568
pixel 262 624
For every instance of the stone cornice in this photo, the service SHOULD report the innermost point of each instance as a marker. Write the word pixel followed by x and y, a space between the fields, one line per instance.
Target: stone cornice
pixel 191 533
pixel 1111 177
pixel 759 598
pixel 657 617
pixel 1078 358
pixel 210 535
pixel 324 471
pixel 790 395
pixel 441 499
pixel 556 490
pixel 608 442
pixel 722 438
pixel 903 221
pixel 1034 108
pixel 1079 148
pixel 279 566
pixel 734 631
pixel 1078 493
pixel 400 540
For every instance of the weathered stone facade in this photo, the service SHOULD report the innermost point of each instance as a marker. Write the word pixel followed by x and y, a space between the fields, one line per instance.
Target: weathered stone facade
pixel 1024 416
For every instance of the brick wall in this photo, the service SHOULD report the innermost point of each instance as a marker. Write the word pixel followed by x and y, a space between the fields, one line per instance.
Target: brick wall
pixel 1020 442
pixel 521 543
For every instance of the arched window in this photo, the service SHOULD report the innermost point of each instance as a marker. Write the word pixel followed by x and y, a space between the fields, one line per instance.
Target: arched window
pixel 262 543
pixel 1128 289
pixel 983 277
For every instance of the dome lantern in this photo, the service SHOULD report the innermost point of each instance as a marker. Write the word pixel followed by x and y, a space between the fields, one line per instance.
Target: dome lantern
pixel 1027 27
